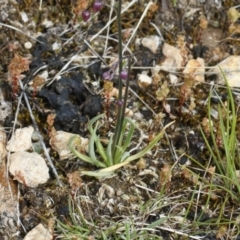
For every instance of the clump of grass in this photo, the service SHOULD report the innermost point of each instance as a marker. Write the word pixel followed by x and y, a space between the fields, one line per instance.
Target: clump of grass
pixel 115 155
pixel 218 193
pixel 226 165
pixel 77 227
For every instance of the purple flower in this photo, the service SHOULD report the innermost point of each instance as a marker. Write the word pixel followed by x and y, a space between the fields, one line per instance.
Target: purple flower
pixel 124 74
pixel 108 75
pixel 85 15
pixel 97 5
pixel 119 102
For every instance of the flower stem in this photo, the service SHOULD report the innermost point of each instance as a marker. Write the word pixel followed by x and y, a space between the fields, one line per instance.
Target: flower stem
pixel 120 108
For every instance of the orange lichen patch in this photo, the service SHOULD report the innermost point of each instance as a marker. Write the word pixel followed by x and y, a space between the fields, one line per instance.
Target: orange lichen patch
pixel 50 122
pixel 80 5
pixel 17 66
pixel 74 180
pixel 37 83
pixel 165 175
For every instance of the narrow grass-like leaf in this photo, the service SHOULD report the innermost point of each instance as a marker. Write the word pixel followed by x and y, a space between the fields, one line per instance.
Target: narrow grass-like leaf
pixel 118 148
pixel 110 170
pixel 124 156
pixel 157 223
pixel 129 136
pixel 150 145
pixel 90 124
pixel 91 149
pixel 101 150
pixel 92 153
pixel 81 156
pixel 109 152
pixel 98 174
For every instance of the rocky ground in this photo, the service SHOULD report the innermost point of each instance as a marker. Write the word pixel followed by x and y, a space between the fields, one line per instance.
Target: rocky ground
pixel 51 68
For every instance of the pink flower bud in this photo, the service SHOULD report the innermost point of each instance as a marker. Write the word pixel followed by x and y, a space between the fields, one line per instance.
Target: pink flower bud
pixel 85 15
pixel 97 5
pixel 107 75
pixel 124 74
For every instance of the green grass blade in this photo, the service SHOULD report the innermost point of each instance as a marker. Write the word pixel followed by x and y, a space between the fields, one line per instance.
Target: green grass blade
pixel 129 136
pixel 150 145
pixel 91 149
pixel 110 170
pixel 118 148
pixel 81 156
pixel 101 150
pixel 124 156
pixel 90 124
pixel 109 152
pixel 157 223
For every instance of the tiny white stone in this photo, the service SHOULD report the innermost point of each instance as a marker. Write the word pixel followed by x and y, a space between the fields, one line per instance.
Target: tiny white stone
pixel 137 43
pixel 24 16
pixel 56 46
pixel 173 79
pixel 152 43
pixel 144 80
pixel 128 112
pixel 214 113
pixel 138 116
pixel 44 74
pixel 28 45
pixel 47 23
pixel 95 84
pixel 156 69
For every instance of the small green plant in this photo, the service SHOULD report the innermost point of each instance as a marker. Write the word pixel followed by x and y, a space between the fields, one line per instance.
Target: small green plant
pixel 226 165
pixel 115 155
pixel 106 159
pixel 78 227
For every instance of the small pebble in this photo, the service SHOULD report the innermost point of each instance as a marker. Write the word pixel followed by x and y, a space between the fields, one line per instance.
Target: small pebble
pixel 144 81
pixel 28 45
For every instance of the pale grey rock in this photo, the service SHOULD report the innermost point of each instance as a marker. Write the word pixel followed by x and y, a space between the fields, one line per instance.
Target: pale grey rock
pixel 152 42
pixel 39 233
pixel 173 58
pixel 59 143
pixel 231 69
pixel 195 69
pixel 3 151
pixel 21 140
pixel 28 168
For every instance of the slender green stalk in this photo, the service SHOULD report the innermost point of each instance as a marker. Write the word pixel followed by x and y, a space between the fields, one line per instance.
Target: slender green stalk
pixel 126 93
pixel 120 120
pixel 120 107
